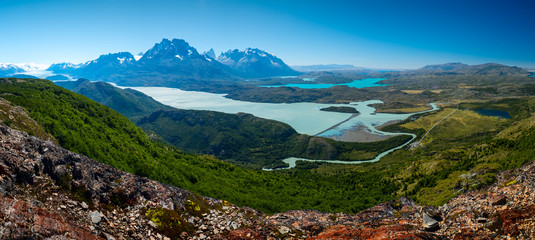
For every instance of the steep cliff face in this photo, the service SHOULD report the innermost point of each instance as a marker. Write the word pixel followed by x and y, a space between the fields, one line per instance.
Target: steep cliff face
pixel 49 192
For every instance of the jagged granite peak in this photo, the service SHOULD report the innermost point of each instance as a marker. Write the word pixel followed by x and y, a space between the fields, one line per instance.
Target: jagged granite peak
pixel 253 62
pixel 210 53
pixel 170 51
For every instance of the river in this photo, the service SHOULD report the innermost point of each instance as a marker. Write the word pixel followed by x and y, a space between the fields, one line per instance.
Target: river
pixel 291 161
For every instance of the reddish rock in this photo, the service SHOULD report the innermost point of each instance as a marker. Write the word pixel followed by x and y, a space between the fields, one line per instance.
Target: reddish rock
pixel 243 234
pixel 27 220
pixel 498 200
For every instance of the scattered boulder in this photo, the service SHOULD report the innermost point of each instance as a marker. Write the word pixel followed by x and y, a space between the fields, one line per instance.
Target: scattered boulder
pixel 499 200
pixel 94 216
pixel 284 230
pixel 429 223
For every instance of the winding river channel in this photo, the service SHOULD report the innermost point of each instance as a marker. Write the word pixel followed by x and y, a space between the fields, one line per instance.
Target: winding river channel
pixel 370 125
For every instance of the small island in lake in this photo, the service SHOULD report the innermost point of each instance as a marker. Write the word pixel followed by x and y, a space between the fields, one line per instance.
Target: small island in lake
pixel 340 109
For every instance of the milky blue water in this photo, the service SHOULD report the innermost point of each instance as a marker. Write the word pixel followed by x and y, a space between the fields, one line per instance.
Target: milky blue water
pixel 362 83
pixel 305 118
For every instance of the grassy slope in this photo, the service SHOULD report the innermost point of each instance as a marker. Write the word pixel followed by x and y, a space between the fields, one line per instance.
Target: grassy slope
pixel 463 153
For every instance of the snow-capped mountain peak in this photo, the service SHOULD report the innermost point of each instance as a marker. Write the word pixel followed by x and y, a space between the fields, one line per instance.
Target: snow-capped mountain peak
pixel 170 51
pixel 253 62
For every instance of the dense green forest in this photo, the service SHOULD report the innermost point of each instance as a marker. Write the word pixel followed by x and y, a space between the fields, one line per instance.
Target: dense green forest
pixel 463 153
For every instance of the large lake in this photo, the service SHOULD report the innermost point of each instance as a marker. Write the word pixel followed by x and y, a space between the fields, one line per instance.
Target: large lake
pixel 305 118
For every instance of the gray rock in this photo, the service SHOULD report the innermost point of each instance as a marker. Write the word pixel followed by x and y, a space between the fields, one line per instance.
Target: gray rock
pixel 430 224
pixel 283 229
pixel 109 236
pixel 94 216
pixel 152 224
pixel 84 205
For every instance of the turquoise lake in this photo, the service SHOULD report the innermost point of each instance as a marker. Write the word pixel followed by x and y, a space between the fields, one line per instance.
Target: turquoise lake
pixel 362 83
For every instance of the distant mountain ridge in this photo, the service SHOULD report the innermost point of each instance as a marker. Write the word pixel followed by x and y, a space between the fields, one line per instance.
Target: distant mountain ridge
pixel 325 67
pixel 8 69
pixel 174 62
pixel 480 69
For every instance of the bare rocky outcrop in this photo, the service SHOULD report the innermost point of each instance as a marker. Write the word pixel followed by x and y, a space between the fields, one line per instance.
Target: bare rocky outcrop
pixel 47 192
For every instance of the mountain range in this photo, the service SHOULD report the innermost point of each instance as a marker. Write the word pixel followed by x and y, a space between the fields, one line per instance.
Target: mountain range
pixel 173 63
pixel 8 69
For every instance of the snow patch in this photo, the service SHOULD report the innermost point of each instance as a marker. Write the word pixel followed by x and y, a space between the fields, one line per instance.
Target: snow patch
pixel 121 60
pixel 137 57
pixel 178 56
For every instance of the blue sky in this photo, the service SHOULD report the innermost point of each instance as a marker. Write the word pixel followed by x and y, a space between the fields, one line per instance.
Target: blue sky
pixel 379 34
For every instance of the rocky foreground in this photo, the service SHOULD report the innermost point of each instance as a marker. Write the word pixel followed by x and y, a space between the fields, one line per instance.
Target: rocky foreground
pixel 47 192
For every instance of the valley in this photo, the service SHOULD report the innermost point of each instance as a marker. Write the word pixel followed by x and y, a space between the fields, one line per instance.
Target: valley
pixel 245 120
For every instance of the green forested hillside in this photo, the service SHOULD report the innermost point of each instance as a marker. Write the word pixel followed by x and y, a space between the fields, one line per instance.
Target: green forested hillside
pixel 242 138
pixel 130 103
